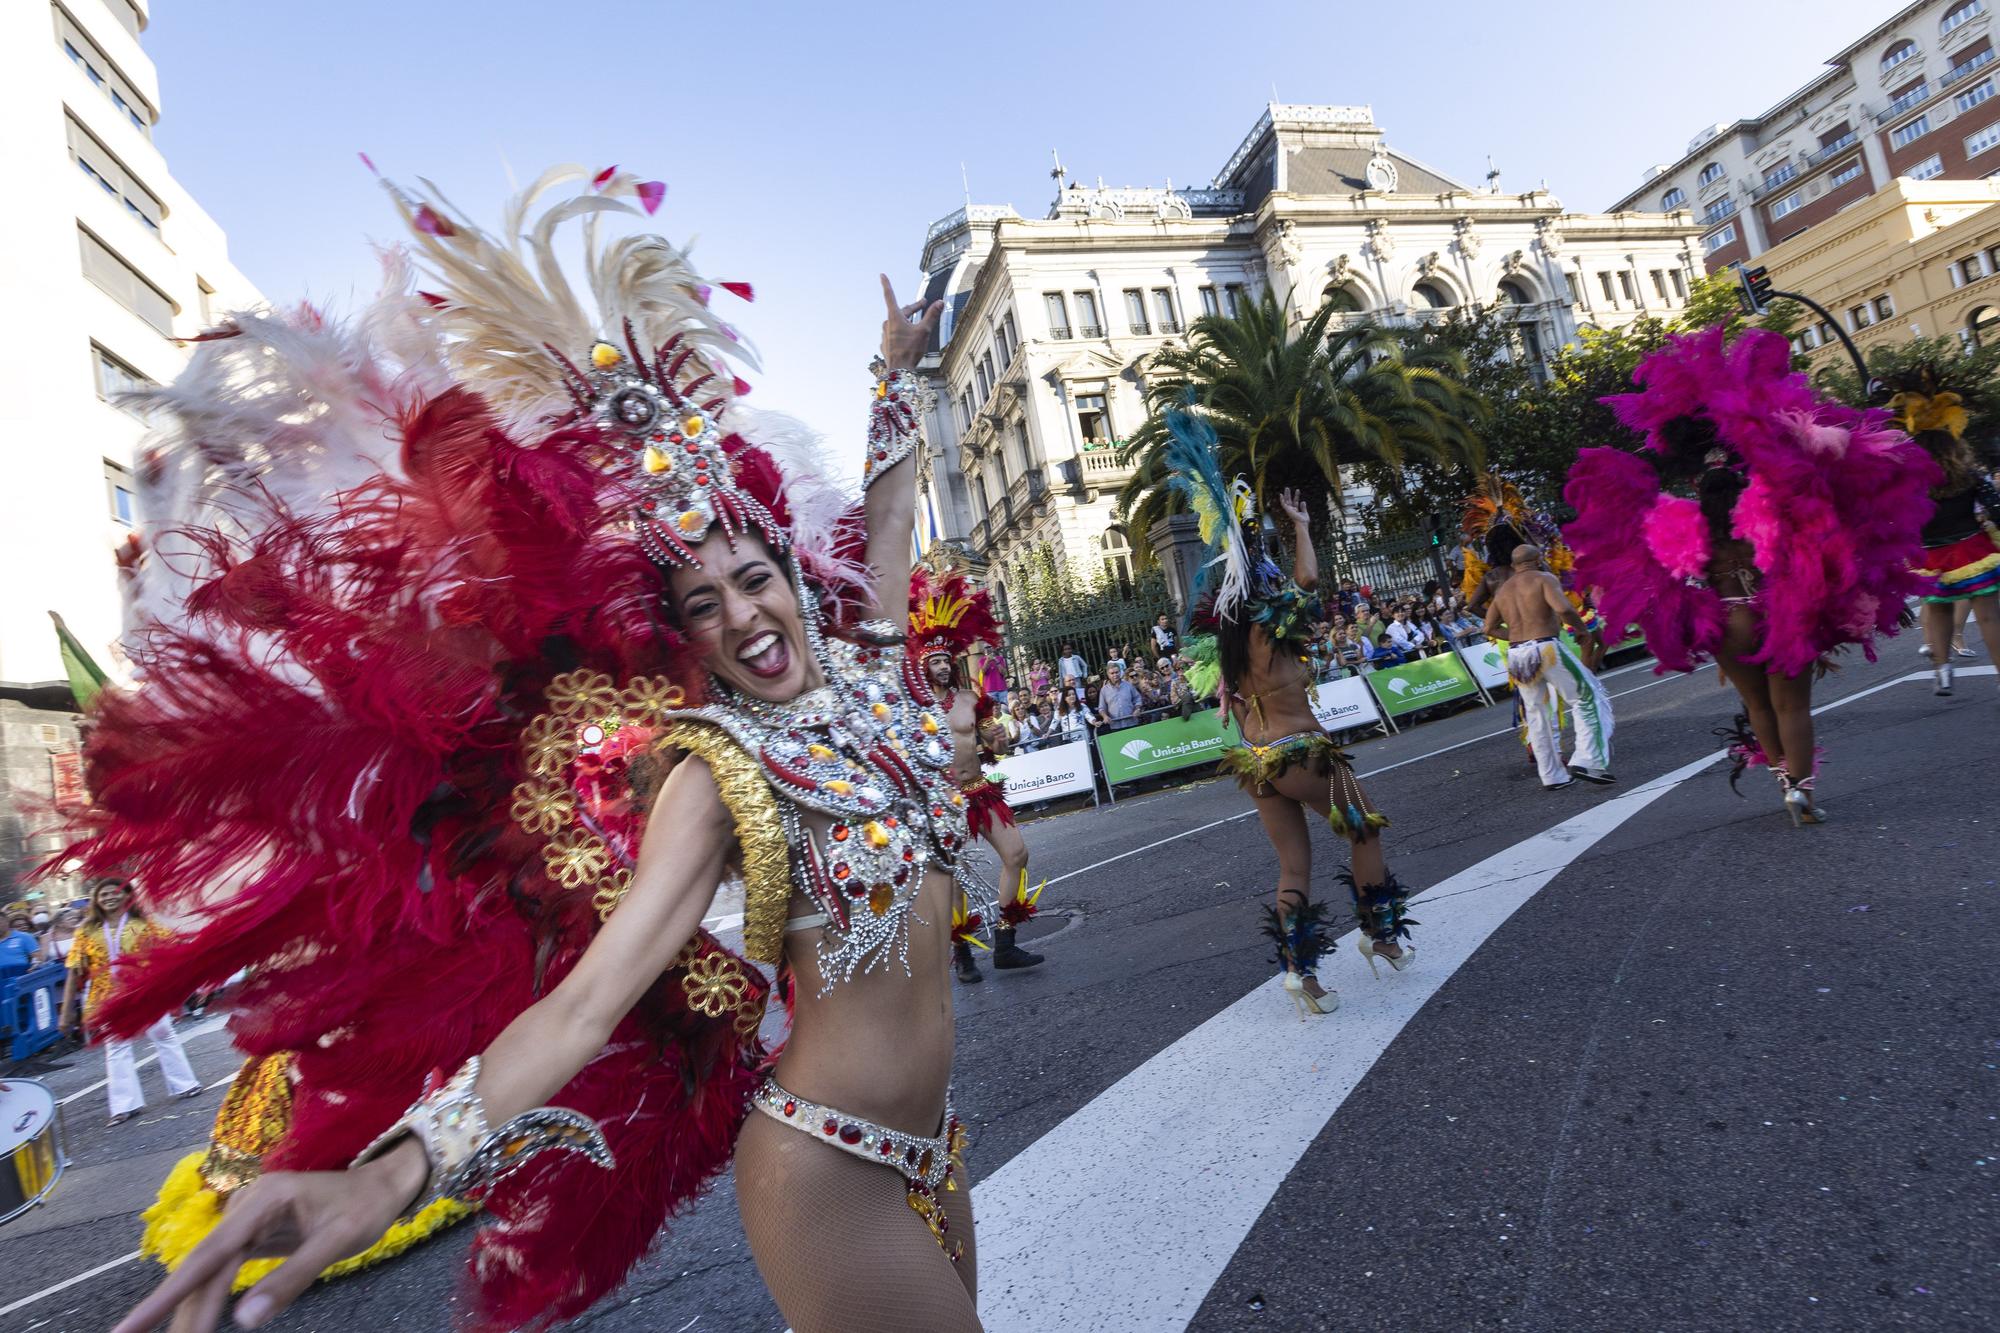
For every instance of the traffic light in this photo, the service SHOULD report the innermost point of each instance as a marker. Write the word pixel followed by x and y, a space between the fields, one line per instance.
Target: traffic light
pixel 1754 286
pixel 1435 525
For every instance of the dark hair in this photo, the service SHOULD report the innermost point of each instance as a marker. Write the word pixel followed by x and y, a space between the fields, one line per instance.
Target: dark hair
pixel 1955 456
pixel 1501 539
pixel 1717 489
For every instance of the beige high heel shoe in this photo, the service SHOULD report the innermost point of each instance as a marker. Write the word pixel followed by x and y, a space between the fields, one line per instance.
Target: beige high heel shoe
pixel 1308 1003
pixel 1397 962
pixel 1799 802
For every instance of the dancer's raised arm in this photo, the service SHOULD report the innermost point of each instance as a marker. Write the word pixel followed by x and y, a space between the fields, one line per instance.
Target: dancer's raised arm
pixel 320 1217
pixel 895 429
pixel 1305 560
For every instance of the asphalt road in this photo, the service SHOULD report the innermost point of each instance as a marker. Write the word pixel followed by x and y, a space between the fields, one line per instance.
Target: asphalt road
pixel 1702 1071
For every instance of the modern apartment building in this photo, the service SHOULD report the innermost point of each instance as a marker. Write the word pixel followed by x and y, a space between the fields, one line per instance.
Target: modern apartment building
pixel 105 261
pixel 1052 322
pixel 1912 99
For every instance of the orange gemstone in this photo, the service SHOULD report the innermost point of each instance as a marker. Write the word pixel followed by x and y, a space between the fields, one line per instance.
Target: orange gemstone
pixel 880 898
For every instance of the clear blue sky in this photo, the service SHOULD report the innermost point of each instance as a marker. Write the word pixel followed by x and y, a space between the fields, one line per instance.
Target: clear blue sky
pixel 809 145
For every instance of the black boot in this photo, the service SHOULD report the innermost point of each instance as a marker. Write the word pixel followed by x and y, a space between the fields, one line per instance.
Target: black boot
pixel 1007 954
pixel 961 958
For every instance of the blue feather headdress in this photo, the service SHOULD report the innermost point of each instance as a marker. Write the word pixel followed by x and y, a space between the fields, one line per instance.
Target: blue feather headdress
pixel 1226 511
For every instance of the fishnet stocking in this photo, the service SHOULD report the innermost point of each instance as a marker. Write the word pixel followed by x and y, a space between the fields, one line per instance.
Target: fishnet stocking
pixel 839 1246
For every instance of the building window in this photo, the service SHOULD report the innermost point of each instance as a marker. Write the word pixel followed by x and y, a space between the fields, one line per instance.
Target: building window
pixel 1975 144
pixel 1974 95
pixel 1852 171
pixel 1135 310
pixel 1343 300
pixel 1513 293
pixel 1791 203
pixel 1984 326
pixel 1429 296
pixel 1885 307
pixel 1088 325
pixel 1926 169
pixel 1093 424
pixel 1993 259
pixel 1164 315
pixel 1233 297
pixel 111 176
pixel 1680 285
pixel 1573 283
pixel 1720 209
pixel 1715 240
pixel 1604 281
pixel 114 378
pixel 1970 269
pixel 97 67
pixel 121 495
pixel 1013 335
pixel 1859 317
pixel 1673 199
pixel 1960 14
pixel 1897 54
pixel 1625 286
pixel 986 368
pixel 1209 305
pixel 1660 284
pixel 1058 315
pixel 122 282
pixel 1711 173
pixel 1779 174
pixel 1810 338
pixel 1117 557
pixel 1904 135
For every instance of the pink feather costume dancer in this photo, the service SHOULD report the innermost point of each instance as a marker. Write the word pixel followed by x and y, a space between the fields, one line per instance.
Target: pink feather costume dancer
pixel 1774 527
pixel 437 734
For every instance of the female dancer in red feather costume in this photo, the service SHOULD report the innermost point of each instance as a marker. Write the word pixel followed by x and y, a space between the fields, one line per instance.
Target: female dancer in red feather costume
pixel 1760 525
pixel 480 641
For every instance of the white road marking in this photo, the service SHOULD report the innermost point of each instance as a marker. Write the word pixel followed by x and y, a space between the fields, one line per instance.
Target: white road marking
pixel 1129 1210
pixel 68 1282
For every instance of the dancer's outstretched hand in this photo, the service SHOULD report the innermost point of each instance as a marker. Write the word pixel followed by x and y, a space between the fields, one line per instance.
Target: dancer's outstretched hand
pixel 903 342
pixel 312 1219
pixel 1288 500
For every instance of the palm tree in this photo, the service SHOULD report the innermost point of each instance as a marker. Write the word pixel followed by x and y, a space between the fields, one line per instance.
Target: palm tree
pixel 1291 407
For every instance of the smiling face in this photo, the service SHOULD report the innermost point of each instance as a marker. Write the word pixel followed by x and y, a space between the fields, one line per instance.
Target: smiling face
pixel 110 896
pixel 738 608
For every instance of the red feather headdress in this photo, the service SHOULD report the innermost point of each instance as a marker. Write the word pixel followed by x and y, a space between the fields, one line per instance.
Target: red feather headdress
pixel 948 615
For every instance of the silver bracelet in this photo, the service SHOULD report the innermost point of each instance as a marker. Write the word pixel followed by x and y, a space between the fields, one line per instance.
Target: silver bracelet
pixel 895 422
pixel 463 1158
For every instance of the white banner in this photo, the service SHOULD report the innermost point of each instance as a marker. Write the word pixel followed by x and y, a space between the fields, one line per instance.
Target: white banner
pixel 1488 663
pixel 1040 775
pixel 1341 705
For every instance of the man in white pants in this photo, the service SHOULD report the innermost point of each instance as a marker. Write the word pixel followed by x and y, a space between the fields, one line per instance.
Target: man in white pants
pixel 1529 611
pixel 115 929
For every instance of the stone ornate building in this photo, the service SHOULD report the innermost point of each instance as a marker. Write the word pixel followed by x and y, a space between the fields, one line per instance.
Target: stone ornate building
pixel 1050 324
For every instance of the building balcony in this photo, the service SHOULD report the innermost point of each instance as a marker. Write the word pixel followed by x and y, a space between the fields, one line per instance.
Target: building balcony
pixel 1966 69
pixel 1101 468
pixel 1773 183
pixel 1722 213
pixel 1915 97
pixel 1141 330
pixel 1170 326
pixel 1060 333
pixel 1090 331
pixel 1827 153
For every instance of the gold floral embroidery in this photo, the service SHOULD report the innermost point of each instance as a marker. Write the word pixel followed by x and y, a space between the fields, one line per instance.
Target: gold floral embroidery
pixel 548 744
pixel 715 985
pixel 582 691
pixel 542 807
pixel 646 697
pixel 575 859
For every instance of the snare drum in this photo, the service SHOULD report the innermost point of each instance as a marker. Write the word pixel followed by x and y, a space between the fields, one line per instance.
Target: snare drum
pixel 31 1152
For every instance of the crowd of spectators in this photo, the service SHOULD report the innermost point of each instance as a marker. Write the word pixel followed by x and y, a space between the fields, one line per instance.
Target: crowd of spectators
pixel 1074 699
pixel 1367 631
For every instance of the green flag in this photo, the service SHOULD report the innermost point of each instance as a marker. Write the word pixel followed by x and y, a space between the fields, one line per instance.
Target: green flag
pixel 86 678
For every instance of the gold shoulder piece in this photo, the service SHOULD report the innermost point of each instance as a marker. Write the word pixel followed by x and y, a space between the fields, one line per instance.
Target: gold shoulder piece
pixel 767 872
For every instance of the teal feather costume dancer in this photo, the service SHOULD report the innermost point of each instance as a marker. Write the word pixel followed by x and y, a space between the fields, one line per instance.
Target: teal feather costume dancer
pixel 1263 620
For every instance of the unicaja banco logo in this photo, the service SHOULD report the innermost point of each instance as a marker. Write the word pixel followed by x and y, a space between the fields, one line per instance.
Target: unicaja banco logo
pixel 1133 749
pixel 1399 686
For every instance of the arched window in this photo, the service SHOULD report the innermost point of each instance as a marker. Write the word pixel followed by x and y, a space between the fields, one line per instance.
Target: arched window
pixel 1117 557
pixel 1711 173
pixel 1344 299
pixel 1513 293
pixel 1429 295
pixel 1959 14
pixel 1897 54
pixel 1984 325
pixel 1673 199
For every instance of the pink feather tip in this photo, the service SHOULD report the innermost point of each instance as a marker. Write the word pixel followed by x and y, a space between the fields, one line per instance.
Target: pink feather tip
pixel 598 181
pixel 650 194
pixel 741 289
pixel 368 162
pixel 431 223
pixel 741 386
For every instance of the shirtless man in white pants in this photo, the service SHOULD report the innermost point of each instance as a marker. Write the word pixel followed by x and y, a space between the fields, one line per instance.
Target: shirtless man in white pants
pixel 1529 611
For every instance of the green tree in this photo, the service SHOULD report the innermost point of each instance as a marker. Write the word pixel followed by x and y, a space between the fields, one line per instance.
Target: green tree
pixel 1291 407
pixel 1930 365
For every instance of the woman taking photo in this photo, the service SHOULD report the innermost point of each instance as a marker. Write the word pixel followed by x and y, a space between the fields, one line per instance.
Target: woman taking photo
pixel 528 932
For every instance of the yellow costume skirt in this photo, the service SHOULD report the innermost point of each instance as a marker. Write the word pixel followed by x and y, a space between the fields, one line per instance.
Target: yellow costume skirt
pixel 1347 810
pixel 254 1116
